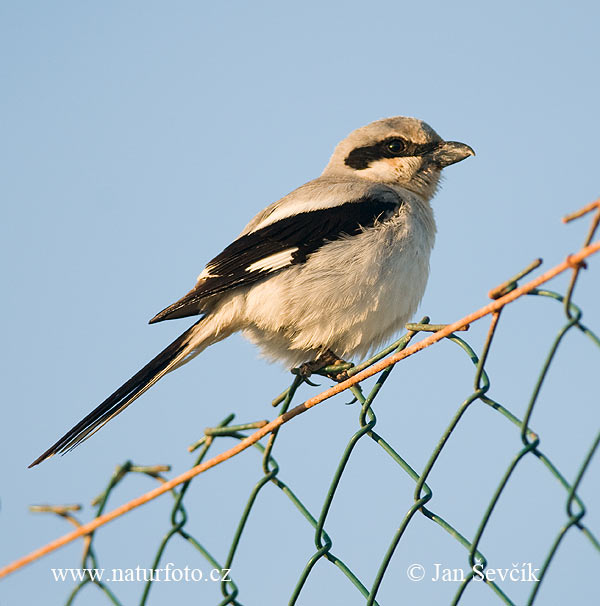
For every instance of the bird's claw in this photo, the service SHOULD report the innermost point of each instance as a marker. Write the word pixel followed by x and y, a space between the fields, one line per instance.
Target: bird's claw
pixel 307 369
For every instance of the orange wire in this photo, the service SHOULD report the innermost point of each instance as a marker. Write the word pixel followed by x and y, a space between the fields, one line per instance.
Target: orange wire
pixel 570 262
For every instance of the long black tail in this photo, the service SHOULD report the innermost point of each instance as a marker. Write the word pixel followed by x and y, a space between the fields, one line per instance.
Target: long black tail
pixel 191 342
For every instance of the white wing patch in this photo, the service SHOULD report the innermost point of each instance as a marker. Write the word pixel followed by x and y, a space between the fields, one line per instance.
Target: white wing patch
pixel 273 262
pixel 206 274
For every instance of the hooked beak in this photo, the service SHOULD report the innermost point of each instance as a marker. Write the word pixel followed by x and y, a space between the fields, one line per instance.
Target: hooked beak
pixel 451 152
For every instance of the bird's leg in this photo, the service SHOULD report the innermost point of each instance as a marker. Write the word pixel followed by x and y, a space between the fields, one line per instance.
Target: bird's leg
pixel 324 358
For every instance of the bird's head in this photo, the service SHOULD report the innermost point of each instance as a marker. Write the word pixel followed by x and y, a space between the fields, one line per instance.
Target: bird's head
pixel 400 151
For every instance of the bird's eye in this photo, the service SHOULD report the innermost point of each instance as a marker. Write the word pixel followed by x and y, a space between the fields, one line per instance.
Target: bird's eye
pixel 395 146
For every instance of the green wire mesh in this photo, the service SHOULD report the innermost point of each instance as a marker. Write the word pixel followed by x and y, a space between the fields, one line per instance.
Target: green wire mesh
pixel 575 510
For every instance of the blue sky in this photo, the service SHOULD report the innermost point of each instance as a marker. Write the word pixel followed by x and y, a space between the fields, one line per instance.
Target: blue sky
pixel 139 138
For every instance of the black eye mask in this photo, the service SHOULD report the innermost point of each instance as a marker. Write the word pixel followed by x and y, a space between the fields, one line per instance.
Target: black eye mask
pixel 362 157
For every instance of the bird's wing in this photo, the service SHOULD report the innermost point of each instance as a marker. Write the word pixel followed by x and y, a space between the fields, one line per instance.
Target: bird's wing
pixel 281 243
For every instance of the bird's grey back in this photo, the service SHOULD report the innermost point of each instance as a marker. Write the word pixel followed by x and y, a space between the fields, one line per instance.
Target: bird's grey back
pixel 322 192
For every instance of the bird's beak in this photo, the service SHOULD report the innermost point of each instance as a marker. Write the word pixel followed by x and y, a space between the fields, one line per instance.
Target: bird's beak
pixel 451 152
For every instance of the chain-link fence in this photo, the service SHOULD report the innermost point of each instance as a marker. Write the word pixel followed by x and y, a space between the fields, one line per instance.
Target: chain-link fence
pixel 177 528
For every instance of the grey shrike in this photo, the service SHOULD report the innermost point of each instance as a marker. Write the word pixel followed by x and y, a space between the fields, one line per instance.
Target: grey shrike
pixel 330 271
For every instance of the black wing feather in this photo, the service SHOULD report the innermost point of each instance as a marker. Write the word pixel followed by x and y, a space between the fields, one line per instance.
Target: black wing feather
pixel 306 232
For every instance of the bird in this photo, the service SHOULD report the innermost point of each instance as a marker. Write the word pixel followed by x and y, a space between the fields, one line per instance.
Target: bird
pixel 329 272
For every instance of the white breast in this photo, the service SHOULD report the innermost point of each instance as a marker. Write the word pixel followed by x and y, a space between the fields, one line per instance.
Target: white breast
pixel 351 296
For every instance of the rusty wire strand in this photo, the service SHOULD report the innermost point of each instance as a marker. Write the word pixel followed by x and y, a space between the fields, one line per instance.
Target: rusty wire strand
pixel 591 232
pixel 351 377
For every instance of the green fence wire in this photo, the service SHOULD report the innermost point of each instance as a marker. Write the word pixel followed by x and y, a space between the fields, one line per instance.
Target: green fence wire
pixel 575 510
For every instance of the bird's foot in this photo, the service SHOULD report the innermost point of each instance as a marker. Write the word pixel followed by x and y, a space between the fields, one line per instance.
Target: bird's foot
pixel 324 364
pixel 307 369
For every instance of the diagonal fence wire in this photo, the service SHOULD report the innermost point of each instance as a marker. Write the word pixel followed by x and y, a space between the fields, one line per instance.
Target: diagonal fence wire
pixel 350 377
